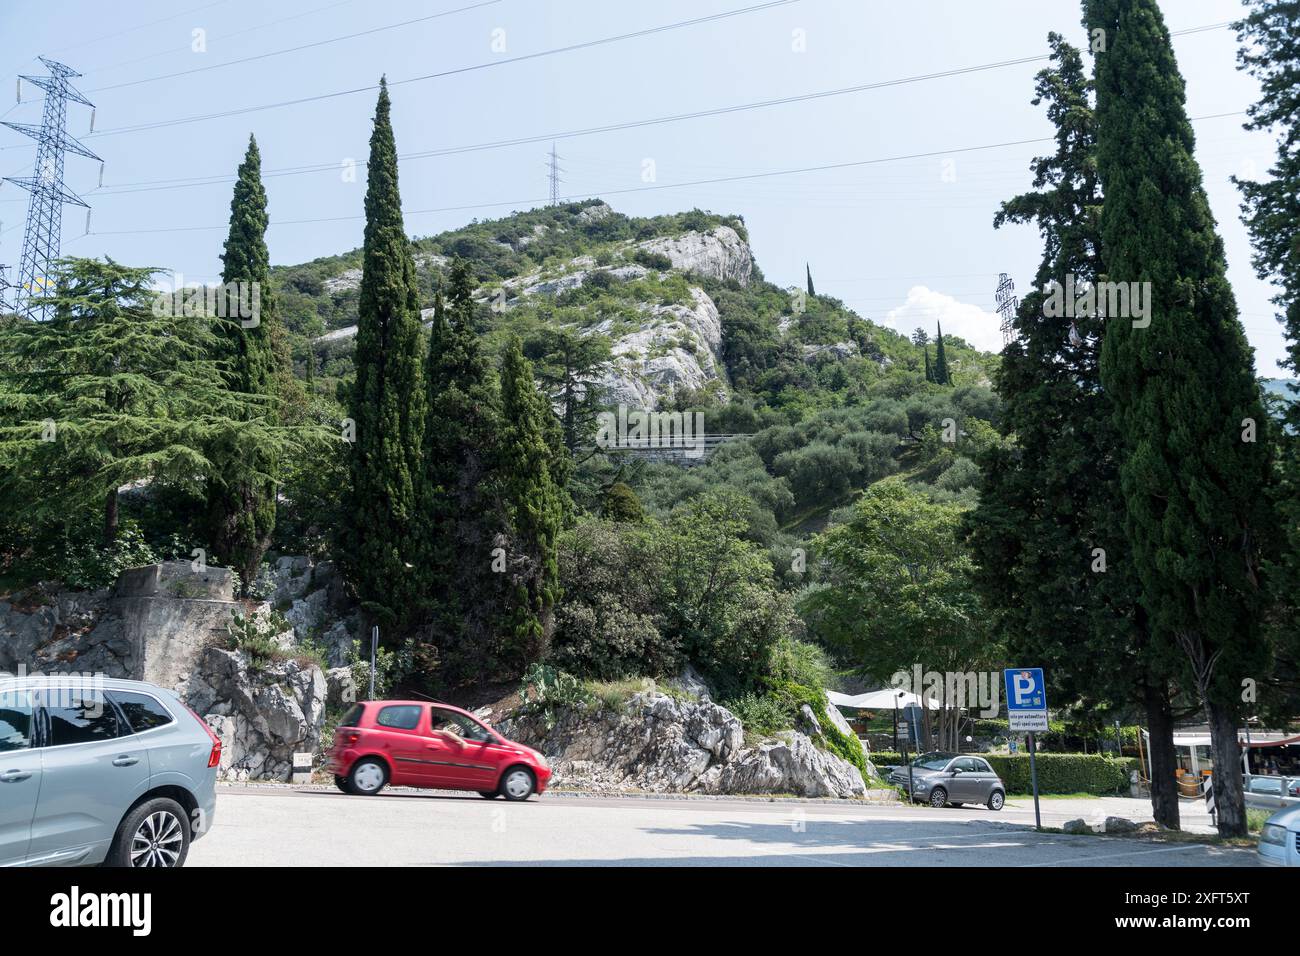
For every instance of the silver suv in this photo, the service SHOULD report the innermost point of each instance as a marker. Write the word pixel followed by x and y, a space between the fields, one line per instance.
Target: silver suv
pixel 94 770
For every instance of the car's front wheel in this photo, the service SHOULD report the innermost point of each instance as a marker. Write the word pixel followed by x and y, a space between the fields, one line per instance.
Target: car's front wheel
pixel 154 834
pixel 938 797
pixel 996 799
pixel 517 784
pixel 367 777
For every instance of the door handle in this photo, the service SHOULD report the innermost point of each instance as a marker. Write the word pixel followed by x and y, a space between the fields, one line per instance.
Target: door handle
pixel 14 776
pixel 126 760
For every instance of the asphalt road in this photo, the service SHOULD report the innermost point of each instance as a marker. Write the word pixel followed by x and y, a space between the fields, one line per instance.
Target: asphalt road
pixel 288 826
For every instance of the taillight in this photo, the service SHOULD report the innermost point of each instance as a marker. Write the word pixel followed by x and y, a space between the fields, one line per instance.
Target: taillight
pixel 349 737
pixel 214 756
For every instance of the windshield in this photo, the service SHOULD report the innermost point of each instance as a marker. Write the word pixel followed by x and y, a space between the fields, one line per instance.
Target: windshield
pixel 932 761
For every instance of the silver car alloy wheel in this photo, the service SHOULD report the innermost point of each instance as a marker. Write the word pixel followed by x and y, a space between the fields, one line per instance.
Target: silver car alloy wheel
pixel 158 840
pixel 518 783
pixel 938 798
pixel 369 777
pixel 995 801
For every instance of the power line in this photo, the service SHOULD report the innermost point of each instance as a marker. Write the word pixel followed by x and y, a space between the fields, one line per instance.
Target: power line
pixel 186 182
pixel 587 44
pixel 151 23
pixel 314 11
pixel 745 177
pixel 293 49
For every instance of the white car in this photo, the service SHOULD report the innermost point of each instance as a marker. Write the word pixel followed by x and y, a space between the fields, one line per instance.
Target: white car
pixel 1279 841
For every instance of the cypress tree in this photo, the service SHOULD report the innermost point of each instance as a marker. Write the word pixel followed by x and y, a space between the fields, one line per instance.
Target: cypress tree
pixel 1270 36
pixel 466 581
pixel 808 275
pixel 1052 496
pixel 533 504
pixel 940 359
pixel 1196 459
pixel 387 399
pixel 929 372
pixel 241 489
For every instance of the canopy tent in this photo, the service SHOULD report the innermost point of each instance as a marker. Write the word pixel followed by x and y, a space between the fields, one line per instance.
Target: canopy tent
pixel 881 700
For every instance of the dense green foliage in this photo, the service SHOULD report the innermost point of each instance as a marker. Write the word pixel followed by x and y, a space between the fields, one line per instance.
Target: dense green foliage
pixel 1195 472
pixel 241 506
pixel 386 402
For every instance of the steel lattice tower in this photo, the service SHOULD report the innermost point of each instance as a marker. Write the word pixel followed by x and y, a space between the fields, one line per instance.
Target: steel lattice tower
pixel 42 235
pixel 1008 303
pixel 553 174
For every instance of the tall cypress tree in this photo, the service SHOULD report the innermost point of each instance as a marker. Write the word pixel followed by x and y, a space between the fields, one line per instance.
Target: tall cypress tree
pixel 940 358
pixel 1052 497
pixel 387 399
pixel 241 488
pixel 533 503
pixel 1270 36
pixel 1196 465
pixel 466 587
pixel 807 269
pixel 929 371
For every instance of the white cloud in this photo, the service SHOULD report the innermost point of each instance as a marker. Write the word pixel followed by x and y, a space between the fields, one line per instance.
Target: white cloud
pixel 925 307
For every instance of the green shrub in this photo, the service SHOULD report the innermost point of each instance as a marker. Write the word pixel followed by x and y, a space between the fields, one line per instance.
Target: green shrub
pixel 1057 773
pixel 760 714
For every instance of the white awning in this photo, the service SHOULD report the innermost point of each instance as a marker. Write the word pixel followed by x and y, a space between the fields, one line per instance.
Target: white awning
pixel 881 700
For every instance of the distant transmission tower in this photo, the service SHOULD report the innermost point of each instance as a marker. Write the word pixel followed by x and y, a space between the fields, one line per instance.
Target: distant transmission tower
pixel 42 236
pixel 554 170
pixel 1008 302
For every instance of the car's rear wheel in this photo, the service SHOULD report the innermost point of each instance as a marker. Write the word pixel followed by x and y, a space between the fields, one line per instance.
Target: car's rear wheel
pixel 996 799
pixel 367 778
pixel 154 834
pixel 517 784
pixel 488 794
pixel 938 797
pixel 341 782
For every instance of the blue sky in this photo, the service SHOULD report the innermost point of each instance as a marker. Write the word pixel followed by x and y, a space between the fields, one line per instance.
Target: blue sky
pixel 904 242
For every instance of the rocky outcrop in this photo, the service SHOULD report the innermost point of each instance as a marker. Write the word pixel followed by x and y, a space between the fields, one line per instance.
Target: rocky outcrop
pixel 263 716
pixel 677 347
pixel 151 626
pixel 664 744
pixel 719 253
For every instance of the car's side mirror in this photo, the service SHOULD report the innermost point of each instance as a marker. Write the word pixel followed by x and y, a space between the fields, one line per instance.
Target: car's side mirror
pixel 954 771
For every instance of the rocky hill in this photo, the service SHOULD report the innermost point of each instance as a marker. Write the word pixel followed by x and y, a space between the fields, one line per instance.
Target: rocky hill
pixel 680 298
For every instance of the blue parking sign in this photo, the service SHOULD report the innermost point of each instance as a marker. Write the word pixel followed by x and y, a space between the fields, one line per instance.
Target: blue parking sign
pixel 1026 698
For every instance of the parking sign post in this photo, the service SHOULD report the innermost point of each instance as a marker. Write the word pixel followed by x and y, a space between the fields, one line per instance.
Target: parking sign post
pixel 1027 711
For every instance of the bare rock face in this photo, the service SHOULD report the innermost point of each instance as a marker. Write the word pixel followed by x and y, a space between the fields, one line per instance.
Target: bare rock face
pixel 263 716
pixel 676 347
pixel 719 253
pixel 664 744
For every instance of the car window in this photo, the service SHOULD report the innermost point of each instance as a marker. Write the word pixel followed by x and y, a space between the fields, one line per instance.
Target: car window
pixel 448 721
pixel 966 765
pixel 15 720
pixel 933 761
pixel 353 717
pixel 1261 785
pixel 142 712
pixel 982 766
pixel 78 717
pixel 399 716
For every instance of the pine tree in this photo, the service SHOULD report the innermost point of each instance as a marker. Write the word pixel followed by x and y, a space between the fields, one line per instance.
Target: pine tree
pixel 1052 497
pixel 241 506
pixel 940 359
pixel 112 390
pixel 387 399
pixel 808 275
pixel 533 503
pixel 1196 455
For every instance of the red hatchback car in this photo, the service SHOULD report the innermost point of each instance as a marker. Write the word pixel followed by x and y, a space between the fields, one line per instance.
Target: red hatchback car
pixel 410 743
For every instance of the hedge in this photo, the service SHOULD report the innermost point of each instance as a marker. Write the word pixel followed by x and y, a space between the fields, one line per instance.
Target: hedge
pixel 1057 773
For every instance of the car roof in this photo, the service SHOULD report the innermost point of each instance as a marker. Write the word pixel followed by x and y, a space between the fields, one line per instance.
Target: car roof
pixel 415 703
pixel 39 681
